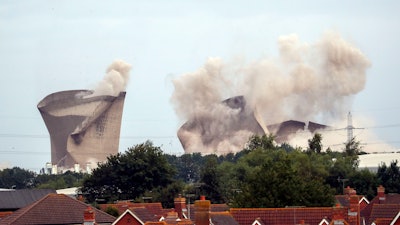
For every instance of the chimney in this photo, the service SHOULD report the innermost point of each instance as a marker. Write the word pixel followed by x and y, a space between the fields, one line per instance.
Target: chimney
pixel 202 213
pixel 354 210
pixel 349 191
pixel 180 206
pixel 172 218
pixel 338 213
pixel 381 194
pixel 88 216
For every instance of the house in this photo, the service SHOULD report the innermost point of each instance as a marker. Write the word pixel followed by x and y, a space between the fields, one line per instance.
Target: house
pixel 57 209
pixel 202 215
pixel 382 210
pixel 290 216
pixel 202 212
pixel 155 208
pixel 343 200
pixel 13 199
pixel 351 209
pixel 339 214
pixel 128 217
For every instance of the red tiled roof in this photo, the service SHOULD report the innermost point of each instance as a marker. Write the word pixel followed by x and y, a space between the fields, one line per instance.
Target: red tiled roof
pixel 222 218
pixel 383 221
pixel 128 217
pixel 283 216
pixel 155 208
pixel 54 209
pixel 363 203
pixel 219 208
pixel 343 200
pixel 143 214
pixel 4 214
pixel 383 211
pixel 392 198
pixel 388 199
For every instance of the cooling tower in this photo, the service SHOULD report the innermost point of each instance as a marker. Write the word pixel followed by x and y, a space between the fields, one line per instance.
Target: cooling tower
pixel 218 134
pixel 84 128
pixel 221 134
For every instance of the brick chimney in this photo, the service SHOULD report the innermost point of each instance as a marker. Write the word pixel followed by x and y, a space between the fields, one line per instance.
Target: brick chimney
pixel 354 210
pixel 88 216
pixel 349 191
pixel 172 218
pixel 202 213
pixel 381 194
pixel 338 213
pixel 180 206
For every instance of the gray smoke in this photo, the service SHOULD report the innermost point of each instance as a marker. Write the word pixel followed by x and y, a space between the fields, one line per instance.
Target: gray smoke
pixel 305 82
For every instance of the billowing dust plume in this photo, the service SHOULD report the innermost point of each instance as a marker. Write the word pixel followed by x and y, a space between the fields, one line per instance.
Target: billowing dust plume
pixel 115 79
pixel 305 82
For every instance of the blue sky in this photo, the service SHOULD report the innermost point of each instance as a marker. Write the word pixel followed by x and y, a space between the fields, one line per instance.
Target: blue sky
pixel 50 46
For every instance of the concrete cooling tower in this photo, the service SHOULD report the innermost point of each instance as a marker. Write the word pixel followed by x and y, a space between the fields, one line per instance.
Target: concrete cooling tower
pixel 283 131
pixel 222 132
pixel 84 128
pixel 229 132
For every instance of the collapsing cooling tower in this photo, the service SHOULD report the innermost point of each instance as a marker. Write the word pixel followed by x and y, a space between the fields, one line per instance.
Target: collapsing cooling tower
pixel 84 128
pixel 230 129
pixel 221 132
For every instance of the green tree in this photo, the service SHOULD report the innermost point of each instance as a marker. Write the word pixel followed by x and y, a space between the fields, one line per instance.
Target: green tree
pixel 315 144
pixel 389 177
pixel 188 166
pixel 269 176
pixel 344 167
pixel 166 195
pixel 365 182
pixel 340 172
pixel 16 178
pixel 59 181
pixel 352 148
pixel 210 179
pixel 228 184
pixel 273 179
pixel 262 142
pixel 129 175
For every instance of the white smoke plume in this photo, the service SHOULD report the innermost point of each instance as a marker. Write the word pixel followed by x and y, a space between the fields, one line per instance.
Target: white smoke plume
pixel 305 82
pixel 115 79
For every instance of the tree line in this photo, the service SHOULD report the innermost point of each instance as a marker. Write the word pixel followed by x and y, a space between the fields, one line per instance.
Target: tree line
pixel 263 174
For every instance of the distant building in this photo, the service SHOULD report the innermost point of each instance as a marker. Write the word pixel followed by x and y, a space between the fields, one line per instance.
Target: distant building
pixel 84 128
pixel 374 160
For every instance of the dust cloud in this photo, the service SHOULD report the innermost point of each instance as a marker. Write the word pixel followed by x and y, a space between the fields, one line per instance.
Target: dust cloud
pixel 306 82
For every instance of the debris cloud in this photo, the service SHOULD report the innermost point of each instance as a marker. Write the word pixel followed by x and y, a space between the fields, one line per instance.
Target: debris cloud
pixel 306 82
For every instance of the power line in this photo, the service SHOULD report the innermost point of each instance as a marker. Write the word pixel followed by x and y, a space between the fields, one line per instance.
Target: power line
pixel 383 126
pixel 11 135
